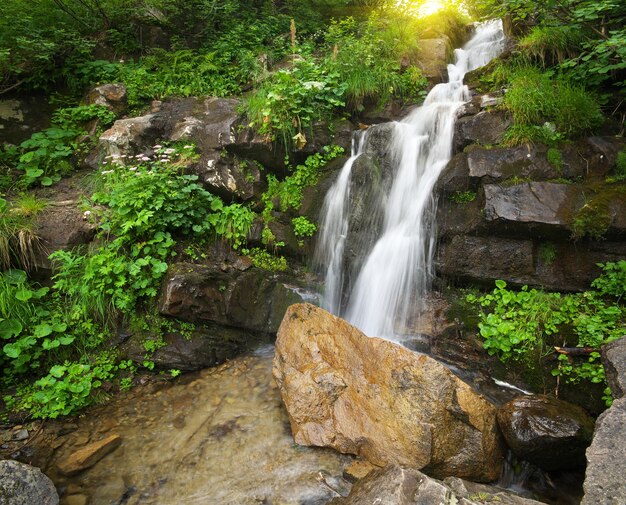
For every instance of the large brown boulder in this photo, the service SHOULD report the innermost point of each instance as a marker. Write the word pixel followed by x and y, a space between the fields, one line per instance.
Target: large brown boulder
pixel 374 398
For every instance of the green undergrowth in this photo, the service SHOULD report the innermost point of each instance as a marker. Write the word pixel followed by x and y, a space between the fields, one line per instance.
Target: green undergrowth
pixel 525 326
pixel 56 351
pixel 51 153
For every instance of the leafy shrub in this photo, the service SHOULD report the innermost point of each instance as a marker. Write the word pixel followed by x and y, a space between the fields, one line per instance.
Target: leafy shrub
pixel 523 325
pixel 293 99
pixel 555 158
pixel 266 260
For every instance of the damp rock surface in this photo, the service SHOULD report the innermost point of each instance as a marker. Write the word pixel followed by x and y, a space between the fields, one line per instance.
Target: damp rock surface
pixel 548 432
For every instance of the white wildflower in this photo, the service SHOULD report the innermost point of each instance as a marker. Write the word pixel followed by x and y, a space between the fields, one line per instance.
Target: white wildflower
pixel 107 172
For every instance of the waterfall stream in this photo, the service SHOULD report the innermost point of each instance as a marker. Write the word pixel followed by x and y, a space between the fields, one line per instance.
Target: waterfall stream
pixel 378 287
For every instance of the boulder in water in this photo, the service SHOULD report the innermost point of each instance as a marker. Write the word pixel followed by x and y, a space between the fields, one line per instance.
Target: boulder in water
pixel 22 484
pixel 374 398
pixel 545 431
pixel 396 485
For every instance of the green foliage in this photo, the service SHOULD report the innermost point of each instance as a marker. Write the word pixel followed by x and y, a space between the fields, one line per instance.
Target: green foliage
pixel 523 325
pixel 266 260
pixel 462 197
pixel 303 228
pixel 47 155
pixel 560 27
pixel 591 220
pixel 368 62
pixel 291 100
pixel 619 173
pixel 613 281
pixel 547 253
pixel 288 193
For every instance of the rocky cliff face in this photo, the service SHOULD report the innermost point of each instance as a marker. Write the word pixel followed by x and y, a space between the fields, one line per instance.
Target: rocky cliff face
pixel 528 214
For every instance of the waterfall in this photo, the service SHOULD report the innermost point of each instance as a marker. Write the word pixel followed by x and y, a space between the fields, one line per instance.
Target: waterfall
pixel 377 289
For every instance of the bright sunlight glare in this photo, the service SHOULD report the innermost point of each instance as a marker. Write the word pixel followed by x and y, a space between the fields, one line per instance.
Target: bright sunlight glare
pixel 422 8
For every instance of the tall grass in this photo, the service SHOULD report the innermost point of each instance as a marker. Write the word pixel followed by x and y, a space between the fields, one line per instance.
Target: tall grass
pixel 19 241
pixel 550 45
pixel 536 99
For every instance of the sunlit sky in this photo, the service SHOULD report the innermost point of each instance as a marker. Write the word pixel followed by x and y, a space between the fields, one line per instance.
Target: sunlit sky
pixel 426 7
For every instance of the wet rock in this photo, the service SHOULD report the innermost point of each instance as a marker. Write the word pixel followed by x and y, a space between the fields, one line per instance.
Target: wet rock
pixel 21 116
pixel 458 218
pixel 22 484
pixel 88 456
pixel 536 205
pixel 484 259
pixel 228 176
pixel 603 155
pixel 376 399
pixel 433 58
pixel 614 362
pixel 112 96
pixel 455 177
pixel 606 464
pixel 392 485
pixel 503 163
pixel 209 345
pixel 471 492
pixel 554 209
pixel 485 128
pixel 396 485
pixel 548 432
pixel 253 299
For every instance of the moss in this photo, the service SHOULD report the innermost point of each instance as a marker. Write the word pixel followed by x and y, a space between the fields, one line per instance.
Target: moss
pixel 594 217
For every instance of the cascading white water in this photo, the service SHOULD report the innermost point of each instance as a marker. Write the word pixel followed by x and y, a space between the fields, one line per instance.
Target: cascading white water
pixel 398 270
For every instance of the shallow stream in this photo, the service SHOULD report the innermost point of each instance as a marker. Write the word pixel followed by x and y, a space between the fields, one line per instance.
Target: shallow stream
pixel 219 436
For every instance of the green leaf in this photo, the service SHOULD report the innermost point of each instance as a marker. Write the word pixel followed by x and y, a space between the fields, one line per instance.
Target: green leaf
pixel 42 330
pixel 58 371
pixel 23 295
pixel 12 350
pixel 15 276
pixel 46 181
pixel 10 328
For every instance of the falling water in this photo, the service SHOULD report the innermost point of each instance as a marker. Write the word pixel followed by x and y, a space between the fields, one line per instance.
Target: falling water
pixel 395 273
